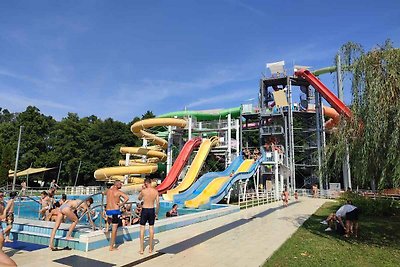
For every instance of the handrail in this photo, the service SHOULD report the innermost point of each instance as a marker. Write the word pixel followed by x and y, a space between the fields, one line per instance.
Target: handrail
pixel 31 198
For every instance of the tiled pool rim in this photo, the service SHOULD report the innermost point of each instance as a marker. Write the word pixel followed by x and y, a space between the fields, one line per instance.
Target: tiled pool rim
pixel 87 241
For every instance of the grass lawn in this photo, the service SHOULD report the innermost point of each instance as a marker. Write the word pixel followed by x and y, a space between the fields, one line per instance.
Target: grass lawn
pixel 378 243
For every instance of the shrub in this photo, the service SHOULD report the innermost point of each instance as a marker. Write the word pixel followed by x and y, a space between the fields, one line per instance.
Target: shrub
pixel 372 207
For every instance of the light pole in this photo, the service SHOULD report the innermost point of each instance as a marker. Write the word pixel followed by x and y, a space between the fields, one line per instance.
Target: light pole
pixel 17 157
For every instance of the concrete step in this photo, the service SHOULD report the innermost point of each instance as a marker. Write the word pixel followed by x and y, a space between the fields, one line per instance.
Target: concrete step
pixel 44 239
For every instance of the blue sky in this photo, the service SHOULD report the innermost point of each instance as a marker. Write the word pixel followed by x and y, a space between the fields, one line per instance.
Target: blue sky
pixel 120 58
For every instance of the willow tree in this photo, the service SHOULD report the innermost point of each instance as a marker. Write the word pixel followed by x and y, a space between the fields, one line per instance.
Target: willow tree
pixel 373 135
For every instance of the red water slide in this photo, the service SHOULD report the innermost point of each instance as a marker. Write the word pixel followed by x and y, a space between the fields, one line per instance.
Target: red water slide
pixel 330 97
pixel 180 162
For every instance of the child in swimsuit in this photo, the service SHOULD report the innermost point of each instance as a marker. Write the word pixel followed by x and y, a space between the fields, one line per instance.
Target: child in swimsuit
pixel 9 211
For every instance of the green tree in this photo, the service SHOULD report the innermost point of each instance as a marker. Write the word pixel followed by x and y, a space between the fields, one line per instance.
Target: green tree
pixel 373 135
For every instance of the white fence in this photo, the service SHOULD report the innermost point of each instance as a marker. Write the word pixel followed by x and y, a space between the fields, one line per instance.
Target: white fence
pixel 249 200
pixel 82 190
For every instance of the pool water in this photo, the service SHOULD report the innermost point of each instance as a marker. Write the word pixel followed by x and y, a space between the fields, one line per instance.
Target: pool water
pixel 29 209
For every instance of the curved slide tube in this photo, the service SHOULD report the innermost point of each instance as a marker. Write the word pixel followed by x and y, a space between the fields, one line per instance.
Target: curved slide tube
pixel 219 187
pixel 179 163
pixel 334 117
pixel 194 169
pixel 150 166
pixel 204 115
pixel 204 180
pixel 330 97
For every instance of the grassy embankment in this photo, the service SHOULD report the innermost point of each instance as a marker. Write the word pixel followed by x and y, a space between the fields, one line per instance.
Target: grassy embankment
pixel 378 243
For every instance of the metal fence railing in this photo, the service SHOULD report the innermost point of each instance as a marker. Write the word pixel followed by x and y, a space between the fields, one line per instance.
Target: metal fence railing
pixel 253 199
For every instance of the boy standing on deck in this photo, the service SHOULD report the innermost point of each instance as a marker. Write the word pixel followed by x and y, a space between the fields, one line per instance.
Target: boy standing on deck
pixel 9 212
pixel 149 195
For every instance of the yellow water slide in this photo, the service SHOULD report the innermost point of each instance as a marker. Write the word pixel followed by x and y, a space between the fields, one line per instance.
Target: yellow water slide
pixel 215 186
pixel 194 169
pixel 153 154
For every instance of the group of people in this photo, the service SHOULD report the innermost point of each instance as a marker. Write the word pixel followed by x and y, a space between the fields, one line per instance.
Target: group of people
pixel 285 196
pixel 344 221
pixel 255 155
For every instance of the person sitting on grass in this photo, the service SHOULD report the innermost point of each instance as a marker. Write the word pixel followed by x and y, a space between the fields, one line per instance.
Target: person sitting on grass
pixel 346 213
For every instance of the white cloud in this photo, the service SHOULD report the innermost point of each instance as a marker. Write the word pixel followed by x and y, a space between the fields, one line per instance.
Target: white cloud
pixel 20 102
pixel 239 95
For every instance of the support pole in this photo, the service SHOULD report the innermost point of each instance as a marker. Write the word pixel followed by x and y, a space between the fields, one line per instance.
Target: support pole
pixel 318 111
pixel 17 157
pixel 127 161
pixel 190 128
pixel 59 171
pixel 346 160
pixel 77 174
pixel 276 171
pixel 27 176
pixel 237 138
pixel 291 136
pixel 169 150
pixel 229 138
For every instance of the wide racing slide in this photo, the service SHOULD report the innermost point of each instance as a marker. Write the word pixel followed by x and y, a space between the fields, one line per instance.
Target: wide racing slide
pixel 204 180
pixel 219 187
pixel 179 163
pixel 194 169
pixel 153 154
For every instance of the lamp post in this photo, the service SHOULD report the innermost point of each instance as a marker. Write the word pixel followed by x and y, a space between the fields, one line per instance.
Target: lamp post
pixel 17 157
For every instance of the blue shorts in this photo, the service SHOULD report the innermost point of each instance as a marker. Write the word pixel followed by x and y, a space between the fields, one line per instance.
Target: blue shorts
pixel 115 215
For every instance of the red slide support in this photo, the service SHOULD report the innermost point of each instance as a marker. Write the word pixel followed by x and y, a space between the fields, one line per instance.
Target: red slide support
pixel 180 162
pixel 330 97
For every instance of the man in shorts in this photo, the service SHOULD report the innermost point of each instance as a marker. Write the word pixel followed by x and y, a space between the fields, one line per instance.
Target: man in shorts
pixel 113 209
pixel 149 195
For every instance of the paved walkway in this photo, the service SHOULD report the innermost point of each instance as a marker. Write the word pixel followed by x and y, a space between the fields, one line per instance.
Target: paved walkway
pixel 246 238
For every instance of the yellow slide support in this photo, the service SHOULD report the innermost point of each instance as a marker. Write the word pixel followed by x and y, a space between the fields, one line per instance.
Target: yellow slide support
pixel 153 154
pixel 194 169
pixel 215 186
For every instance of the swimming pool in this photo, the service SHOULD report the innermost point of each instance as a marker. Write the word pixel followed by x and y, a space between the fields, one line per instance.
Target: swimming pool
pixel 29 208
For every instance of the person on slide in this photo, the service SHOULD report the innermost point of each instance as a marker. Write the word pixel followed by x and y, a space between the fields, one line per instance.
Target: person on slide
pixel 113 209
pixel 69 209
pixel 149 195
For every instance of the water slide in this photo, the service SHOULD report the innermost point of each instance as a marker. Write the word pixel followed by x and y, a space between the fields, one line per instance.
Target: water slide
pixel 179 163
pixel 204 180
pixel 219 187
pixel 194 169
pixel 327 94
pixel 204 115
pixel 154 154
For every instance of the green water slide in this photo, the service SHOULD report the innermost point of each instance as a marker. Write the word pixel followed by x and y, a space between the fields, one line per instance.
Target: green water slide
pixel 204 115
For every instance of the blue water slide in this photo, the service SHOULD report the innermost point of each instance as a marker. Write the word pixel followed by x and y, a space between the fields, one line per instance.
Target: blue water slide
pixel 205 179
pixel 224 190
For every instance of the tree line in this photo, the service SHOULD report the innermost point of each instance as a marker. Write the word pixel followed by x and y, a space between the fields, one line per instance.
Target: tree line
pixel 46 142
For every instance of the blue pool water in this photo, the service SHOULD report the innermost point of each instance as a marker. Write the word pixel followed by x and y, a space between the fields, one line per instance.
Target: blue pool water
pixel 29 209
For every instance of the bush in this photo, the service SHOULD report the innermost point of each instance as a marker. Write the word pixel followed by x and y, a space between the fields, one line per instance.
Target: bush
pixel 372 207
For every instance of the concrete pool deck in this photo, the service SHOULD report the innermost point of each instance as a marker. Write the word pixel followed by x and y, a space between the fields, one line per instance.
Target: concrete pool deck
pixel 245 238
